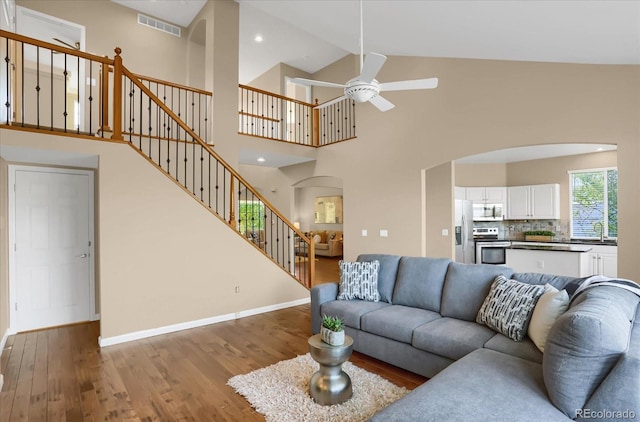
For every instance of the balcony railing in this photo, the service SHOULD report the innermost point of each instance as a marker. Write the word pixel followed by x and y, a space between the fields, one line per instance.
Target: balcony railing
pixel 270 116
pixel 43 83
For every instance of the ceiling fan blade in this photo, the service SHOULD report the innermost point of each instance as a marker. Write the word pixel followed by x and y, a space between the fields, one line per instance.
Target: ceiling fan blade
pixel 66 44
pixel 331 102
pixel 372 64
pixel 414 84
pixel 303 81
pixel 381 103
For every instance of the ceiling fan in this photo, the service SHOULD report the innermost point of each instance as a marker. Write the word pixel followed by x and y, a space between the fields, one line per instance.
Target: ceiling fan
pixel 365 87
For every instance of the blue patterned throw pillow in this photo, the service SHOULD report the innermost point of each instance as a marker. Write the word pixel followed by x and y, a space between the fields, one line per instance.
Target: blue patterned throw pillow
pixel 359 280
pixel 508 307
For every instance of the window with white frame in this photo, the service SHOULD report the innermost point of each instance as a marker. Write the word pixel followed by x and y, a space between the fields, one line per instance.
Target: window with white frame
pixel 594 203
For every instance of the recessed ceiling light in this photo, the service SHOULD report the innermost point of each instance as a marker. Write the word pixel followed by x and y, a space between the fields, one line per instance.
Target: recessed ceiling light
pixel 261 159
pixel 258 38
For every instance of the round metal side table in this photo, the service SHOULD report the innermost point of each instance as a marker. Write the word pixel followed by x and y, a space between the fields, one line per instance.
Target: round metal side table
pixel 330 385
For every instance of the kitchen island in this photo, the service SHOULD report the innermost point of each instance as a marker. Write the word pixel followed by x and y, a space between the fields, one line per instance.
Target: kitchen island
pixel 569 260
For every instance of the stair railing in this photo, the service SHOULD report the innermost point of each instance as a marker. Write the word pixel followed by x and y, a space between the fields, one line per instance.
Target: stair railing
pixel 158 134
pixel 49 88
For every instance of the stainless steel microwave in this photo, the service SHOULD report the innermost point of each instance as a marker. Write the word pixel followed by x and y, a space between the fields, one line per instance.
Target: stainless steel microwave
pixel 487 212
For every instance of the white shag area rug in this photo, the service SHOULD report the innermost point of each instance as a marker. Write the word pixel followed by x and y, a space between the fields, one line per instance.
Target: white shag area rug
pixel 281 392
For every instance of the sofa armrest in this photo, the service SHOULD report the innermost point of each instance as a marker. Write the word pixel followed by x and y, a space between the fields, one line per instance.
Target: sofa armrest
pixel 320 294
pixel 619 392
pixel 335 247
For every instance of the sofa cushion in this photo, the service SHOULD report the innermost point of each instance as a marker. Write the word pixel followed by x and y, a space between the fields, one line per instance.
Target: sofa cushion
pixel 508 307
pixel 452 338
pixel 396 322
pixel 359 280
pixel 483 386
pixel 524 349
pixel 585 343
pixel 466 286
pixel 321 246
pixel 419 282
pixel 386 274
pixel 350 310
pixel 557 281
pixel 550 306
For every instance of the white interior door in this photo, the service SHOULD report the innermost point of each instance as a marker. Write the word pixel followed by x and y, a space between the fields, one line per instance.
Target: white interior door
pixel 52 281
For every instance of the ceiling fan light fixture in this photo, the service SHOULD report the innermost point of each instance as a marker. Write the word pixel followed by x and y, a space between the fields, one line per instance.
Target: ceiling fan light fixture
pixel 361 91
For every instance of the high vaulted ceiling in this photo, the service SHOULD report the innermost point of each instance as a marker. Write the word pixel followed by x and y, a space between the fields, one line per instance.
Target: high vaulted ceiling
pixel 310 34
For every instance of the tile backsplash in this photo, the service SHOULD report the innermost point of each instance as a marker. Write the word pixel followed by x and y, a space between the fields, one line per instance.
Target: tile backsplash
pixel 514 229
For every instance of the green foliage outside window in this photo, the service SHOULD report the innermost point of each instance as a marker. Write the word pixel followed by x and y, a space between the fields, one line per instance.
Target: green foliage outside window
pixel 594 203
pixel 251 216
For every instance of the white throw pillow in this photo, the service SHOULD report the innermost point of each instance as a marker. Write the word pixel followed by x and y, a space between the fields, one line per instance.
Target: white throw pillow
pixel 550 306
pixel 316 239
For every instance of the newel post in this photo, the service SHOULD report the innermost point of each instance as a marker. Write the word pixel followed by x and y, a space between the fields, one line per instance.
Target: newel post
pixel 117 96
pixel 315 124
pixel 312 263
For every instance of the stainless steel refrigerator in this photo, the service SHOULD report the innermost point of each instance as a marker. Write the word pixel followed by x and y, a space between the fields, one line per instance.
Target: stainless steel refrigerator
pixel 464 232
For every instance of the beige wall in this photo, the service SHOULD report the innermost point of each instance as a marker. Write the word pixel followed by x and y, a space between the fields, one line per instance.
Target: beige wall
pixel 534 172
pixel 481 174
pixel 145 51
pixel 163 258
pixel 438 211
pixel 479 106
pixel 554 170
pixel 4 250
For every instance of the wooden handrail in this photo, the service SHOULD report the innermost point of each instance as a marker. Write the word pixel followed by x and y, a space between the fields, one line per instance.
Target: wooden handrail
pixel 54 47
pixel 271 94
pixel 257 116
pixel 210 150
pixel 183 87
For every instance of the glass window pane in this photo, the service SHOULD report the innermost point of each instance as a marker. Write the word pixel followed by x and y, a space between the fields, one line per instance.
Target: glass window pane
pixel 612 203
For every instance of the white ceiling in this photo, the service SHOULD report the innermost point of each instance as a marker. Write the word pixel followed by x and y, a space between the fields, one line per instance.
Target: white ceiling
pixel 311 34
pixel 177 12
pixel 575 31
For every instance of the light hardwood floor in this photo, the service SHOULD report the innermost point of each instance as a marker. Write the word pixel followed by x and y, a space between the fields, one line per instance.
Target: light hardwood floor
pixel 61 374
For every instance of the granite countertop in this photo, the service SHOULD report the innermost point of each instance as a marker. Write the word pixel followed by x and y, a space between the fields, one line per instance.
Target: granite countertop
pixel 553 248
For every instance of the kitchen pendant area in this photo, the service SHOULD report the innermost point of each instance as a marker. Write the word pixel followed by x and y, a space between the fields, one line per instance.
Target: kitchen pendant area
pixel 528 214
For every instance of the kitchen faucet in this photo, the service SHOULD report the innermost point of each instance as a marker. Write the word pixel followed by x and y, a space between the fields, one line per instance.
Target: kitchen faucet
pixel 599 224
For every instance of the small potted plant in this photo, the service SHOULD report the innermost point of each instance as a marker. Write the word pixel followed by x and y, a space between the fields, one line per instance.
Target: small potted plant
pixel 539 235
pixel 332 331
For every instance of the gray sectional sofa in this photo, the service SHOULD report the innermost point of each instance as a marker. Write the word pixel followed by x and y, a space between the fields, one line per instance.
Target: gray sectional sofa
pixel 425 323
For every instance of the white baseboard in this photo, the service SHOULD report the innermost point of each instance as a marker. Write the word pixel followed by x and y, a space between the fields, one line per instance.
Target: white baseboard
pixel 138 335
pixel 3 341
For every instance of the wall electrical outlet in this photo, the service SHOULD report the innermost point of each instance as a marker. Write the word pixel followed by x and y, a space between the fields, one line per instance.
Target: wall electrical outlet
pixel 384 233
pixel 445 232
pixel 364 232
pixel 540 263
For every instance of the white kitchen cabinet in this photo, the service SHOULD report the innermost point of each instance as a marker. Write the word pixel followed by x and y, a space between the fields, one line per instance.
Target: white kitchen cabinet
pixel 533 202
pixel 603 261
pixel 487 195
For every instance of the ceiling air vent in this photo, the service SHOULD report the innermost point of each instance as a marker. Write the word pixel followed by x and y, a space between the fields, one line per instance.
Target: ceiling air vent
pixel 159 25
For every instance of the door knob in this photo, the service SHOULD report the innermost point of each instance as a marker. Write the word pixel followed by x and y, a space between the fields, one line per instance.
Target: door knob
pixel 84 255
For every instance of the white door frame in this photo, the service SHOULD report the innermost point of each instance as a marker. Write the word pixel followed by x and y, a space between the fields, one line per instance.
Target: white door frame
pixel 24 21
pixel 12 237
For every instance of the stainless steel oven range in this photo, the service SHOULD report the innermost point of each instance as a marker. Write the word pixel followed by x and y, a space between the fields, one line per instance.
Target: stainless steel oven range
pixel 489 249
